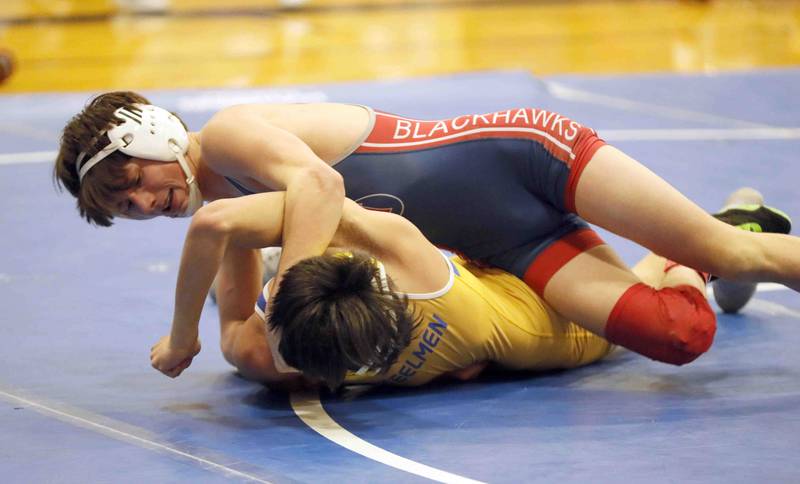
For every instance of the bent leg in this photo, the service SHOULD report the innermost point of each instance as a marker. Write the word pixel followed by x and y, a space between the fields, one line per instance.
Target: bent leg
pixel 585 281
pixel 638 205
pixel 669 320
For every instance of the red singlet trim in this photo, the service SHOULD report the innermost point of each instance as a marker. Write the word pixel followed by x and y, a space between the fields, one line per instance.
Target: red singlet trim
pixel 553 258
pixel 584 150
pixel 671 264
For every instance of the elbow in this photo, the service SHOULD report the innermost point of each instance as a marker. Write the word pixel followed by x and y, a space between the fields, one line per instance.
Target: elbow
pixel 327 181
pixel 212 220
pixel 334 184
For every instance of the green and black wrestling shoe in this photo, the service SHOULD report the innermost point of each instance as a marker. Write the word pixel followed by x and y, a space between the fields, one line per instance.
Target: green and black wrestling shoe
pixel 756 218
pixel 745 209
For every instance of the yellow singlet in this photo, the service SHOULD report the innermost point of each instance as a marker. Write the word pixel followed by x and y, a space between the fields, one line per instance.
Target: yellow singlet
pixel 486 315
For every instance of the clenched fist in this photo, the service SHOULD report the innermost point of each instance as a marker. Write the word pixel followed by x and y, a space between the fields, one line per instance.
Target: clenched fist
pixel 172 361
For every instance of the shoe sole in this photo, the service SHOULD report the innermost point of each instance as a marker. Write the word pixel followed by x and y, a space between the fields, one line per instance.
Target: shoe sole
pixel 745 209
pixel 733 296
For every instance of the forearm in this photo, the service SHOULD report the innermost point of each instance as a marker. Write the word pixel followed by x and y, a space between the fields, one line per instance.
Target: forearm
pixel 202 255
pixel 312 213
pixel 237 224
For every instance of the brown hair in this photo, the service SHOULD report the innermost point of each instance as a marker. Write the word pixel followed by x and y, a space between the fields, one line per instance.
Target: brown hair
pixel 334 318
pixel 81 133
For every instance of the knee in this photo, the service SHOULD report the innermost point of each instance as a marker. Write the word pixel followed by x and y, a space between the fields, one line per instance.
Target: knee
pixel 674 325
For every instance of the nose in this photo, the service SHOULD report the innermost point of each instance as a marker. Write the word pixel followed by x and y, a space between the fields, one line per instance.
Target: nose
pixel 143 201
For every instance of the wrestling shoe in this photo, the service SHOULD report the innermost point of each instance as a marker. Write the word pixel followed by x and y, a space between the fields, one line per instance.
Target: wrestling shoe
pixel 745 209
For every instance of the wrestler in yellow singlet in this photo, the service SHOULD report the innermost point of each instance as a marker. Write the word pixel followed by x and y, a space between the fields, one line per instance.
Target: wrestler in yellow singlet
pixel 486 315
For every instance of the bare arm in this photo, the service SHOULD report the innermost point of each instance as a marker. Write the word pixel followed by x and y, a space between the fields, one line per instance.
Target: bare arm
pixel 238 284
pixel 414 263
pixel 243 335
pixel 248 222
pixel 219 227
pixel 241 143
pixel 257 221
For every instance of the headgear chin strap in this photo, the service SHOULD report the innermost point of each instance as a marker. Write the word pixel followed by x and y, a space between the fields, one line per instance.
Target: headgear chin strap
pixel 149 133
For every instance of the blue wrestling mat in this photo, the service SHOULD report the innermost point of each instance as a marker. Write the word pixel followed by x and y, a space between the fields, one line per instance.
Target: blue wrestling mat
pixel 82 307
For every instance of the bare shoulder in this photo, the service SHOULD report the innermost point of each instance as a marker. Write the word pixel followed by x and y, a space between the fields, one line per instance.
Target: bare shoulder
pixel 287 132
pixel 289 116
pixel 242 140
pixel 414 263
pixel 231 121
pixel 221 133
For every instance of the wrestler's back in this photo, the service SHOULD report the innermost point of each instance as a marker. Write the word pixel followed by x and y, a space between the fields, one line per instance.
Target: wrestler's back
pixel 476 184
pixel 528 334
pixel 487 186
pixel 487 315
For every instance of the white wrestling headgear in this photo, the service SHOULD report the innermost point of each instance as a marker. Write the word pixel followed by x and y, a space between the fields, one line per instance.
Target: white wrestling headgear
pixel 152 133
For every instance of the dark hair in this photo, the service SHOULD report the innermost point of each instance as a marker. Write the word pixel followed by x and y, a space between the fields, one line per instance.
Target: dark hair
pixel 335 316
pixel 82 133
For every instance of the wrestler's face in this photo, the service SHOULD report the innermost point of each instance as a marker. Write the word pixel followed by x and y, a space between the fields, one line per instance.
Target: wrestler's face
pixel 157 188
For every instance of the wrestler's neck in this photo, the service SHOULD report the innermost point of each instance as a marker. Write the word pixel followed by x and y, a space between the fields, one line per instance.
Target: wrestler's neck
pixel 212 185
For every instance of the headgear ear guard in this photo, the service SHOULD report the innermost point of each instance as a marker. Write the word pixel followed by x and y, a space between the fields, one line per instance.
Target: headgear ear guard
pixel 150 133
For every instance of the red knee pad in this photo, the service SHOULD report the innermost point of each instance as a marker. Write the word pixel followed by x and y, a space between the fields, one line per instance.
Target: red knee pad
pixel 674 325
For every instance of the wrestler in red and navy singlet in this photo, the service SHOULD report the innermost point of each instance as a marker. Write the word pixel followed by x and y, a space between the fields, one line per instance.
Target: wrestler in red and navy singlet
pixel 497 188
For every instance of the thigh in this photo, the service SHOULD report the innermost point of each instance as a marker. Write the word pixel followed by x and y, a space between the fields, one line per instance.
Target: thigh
pixel 520 259
pixel 573 270
pixel 587 288
pixel 619 194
